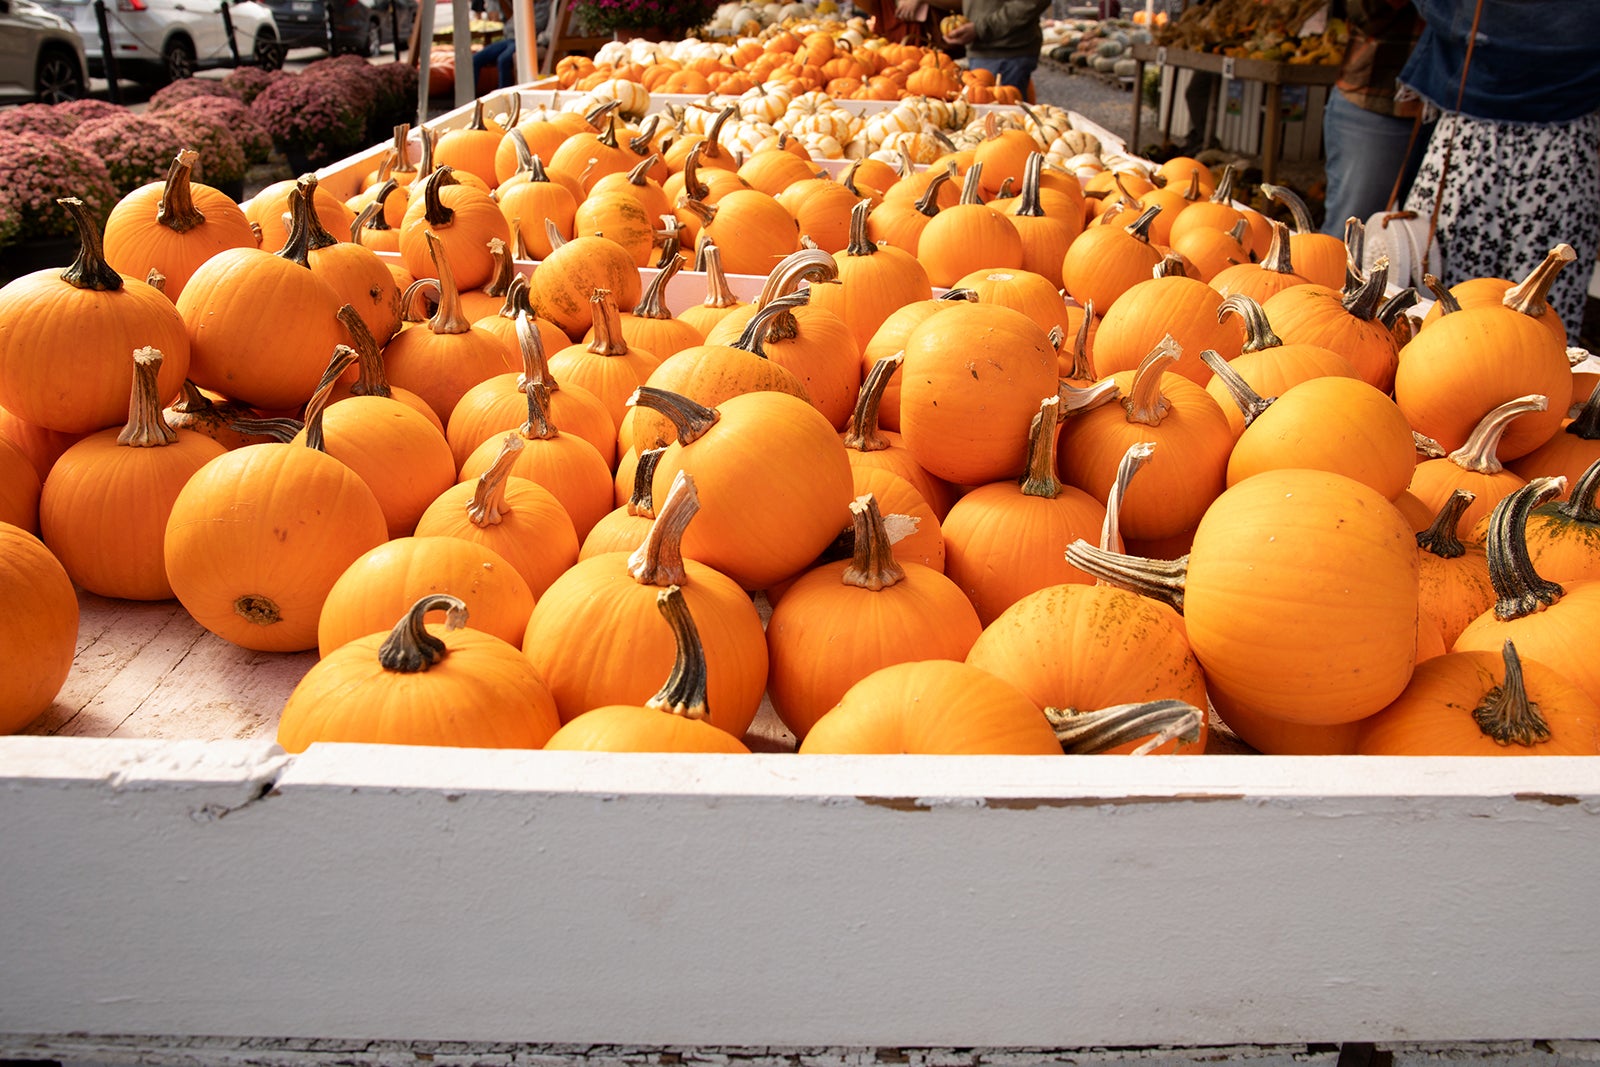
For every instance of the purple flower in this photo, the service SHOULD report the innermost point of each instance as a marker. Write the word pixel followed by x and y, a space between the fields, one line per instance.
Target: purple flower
pixel 136 149
pixel 34 172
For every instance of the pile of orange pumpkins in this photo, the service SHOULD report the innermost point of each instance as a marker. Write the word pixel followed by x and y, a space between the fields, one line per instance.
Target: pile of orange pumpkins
pixel 1015 462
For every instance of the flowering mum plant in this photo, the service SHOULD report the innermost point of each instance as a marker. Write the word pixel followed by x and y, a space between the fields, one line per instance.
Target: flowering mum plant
pixel 246 83
pixel 670 17
pixel 34 172
pixel 136 149
pixel 222 161
pixel 82 110
pixel 44 119
pixel 253 138
pixel 309 115
pixel 187 89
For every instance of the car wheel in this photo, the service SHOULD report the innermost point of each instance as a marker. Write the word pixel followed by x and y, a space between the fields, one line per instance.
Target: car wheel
pixel 59 78
pixel 177 60
pixel 268 53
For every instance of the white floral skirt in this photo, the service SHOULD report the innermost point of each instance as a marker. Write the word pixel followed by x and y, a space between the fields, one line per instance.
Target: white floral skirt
pixel 1514 191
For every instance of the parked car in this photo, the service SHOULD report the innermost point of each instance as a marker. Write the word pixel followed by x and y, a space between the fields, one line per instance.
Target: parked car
pixel 41 55
pixel 361 27
pixel 159 41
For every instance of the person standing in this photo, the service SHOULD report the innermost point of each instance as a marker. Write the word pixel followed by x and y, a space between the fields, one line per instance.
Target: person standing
pixel 1369 138
pixel 1002 36
pixel 1513 168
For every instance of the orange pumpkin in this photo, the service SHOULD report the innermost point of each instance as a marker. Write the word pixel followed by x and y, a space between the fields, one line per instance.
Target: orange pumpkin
pixel 39 634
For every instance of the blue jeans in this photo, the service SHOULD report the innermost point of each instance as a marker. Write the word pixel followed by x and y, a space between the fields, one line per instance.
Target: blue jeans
pixel 1008 70
pixel 501 53
pixel 1364 151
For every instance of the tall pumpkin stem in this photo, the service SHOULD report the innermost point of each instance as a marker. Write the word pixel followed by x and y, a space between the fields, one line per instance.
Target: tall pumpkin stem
pixel 1039 476
pixel 535 364
pixel 343 356
pixel 1506 714
pixel 1132 461
pixel 434 208
pixel 1145 404
pixel 685 690
pixel 1531 295
pixel 860 244
pixel 504 271
pixel 872 564
pixel 1029 205
pixel 1140 227
pixel 691 420
pixel 1365 301
pixel 146 428
pixel 538 427
pixel 808 264
pixel 1580 506
pixel 1277 257
pixel 370 377
pixel 1518 589
pixel 1087 732
pixel 89 269
pixel 1282 194
pixel 1448 304
pixel 863 433
pixel 1442 538
pixel 1355 246
pixel 297 244
pixel 1157 579
pixel 1393 307
pixel 1251 403
pixel 607 320
pixel 1478 452
pixel 653 301
pixel 641 144
pixel 928 202
pixel 317 235
pixel 410 648
pixel 659 558
pixel 488 504
pixel 642 500
pixel 1257 330
pixel 763 323
pixel 176 210
pixel 402 151
pixel 1082 364
pixel 1075 400
pixel 448 317
pixel 708 258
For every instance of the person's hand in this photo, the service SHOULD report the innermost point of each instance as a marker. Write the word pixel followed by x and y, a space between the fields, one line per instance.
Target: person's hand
pixel 965 33
pixel 907 10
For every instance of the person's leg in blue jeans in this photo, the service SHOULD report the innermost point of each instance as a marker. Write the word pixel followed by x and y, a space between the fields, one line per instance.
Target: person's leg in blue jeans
pixel 508 63
pixel 1365 150
pixel 489 57
pixel 1008 70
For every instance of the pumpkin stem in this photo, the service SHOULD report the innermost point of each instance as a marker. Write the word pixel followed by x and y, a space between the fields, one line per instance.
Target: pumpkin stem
pixel 499 282
pixel 488 504
pixel 317 235
pixel 410 648
pixel 1028 204
pixel 1580 506
pixel 156 280
pixel 1365 301
pixel 1442 538
pixel 1257 330
pixel 1140 227
pixel 1075 400
pixel 415 292
pixel 1157 579
pixel 872 564
pixel 1427 446
pixel 146 428
pixel 1395 306
pixel 642 500
pixel 1223 193
pixel 762 325
pixel 176 210
pixel 659 558
pixel 434 209
pixel 1251 403
pixel 372 217
pixel 448 317
pixel 1039 474
pixel 653 303
pixel 538 427
pixel 1132 461
pixel 640 145
pixel 1518 589
pixel 713 138
pixel 297 245
pixel 698 208
pixel 848 179
pixel 1082 365
pixel 343 356
pixel 691 420
pixel 1088 732
pixel 535 365
pixel 1282 194
pixel 862 432
pixel 607 320
pixel 516 298
pixel 640 174
pixel 1506 714
pixel 1531 295
pixel 1448 304
pixel 89 269
pixel 1171 266
pixel 527 163
pixel 402 150
pixel 1478 453
pixel 808 264
pixel 1587 423
pixel 371 379
pixel 1128 199
pixel 1277 257
pixel 1355 243
pixel 928 202
pixel 600 111
pixel 693 187
pixel 475 122
pixel 685 690
pixel 1145 404
pixel 552 234
pixel 860 244
pixel 708 258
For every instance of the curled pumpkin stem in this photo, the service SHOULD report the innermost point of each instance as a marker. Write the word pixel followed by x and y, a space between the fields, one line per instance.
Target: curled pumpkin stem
pixel 1505 713
pixel 410 648
pixel 1084 732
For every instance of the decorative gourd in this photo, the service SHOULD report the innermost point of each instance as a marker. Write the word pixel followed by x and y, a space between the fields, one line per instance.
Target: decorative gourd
pixel 972 378
pixel 1266 364
pixel 932 707
pixel 595 638
pixel 462 688
pixel 1004 540
pixel 257 537
pixel 355 273
pixel 1104 262
pixel 235 307
pixel 676 719
pixel 103 510
pixel 174 226
pixel 1266 597
pixel 873 281
pixel 65 336
pixel 562 289
pixel 1467 362
pixel 773 476
pixel 1170 304
pixel 1192 441
pixel 1349 325
pixel 841 621
pixel 968 236
pixel 1454 579
pixel 1474 466
pixel 444 358
pixel 606 365
pixel 40 632
pixel 1329 423
pixel 400 570
pixel 463 218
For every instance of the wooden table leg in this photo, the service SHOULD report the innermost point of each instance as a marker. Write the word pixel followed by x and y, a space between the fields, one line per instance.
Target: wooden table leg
pixel 1272 134
pixel 1138 105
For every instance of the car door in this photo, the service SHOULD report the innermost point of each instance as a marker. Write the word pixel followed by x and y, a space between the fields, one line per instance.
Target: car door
pixel 19 45
pixel 202 20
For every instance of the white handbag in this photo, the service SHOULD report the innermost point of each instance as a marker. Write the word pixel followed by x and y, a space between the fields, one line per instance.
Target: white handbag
pixel 1407 240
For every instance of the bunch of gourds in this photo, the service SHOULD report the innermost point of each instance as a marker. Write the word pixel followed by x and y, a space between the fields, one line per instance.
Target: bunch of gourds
pixel 1101 484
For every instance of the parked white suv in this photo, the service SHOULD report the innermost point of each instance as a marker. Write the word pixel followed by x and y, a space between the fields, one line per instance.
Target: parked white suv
pixel 41 55
pixel 159 41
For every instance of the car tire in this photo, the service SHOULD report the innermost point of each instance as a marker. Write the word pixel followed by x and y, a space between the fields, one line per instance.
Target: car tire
pixel 177 60
pixel 59 78
pixel 268 52
pixel 373 45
